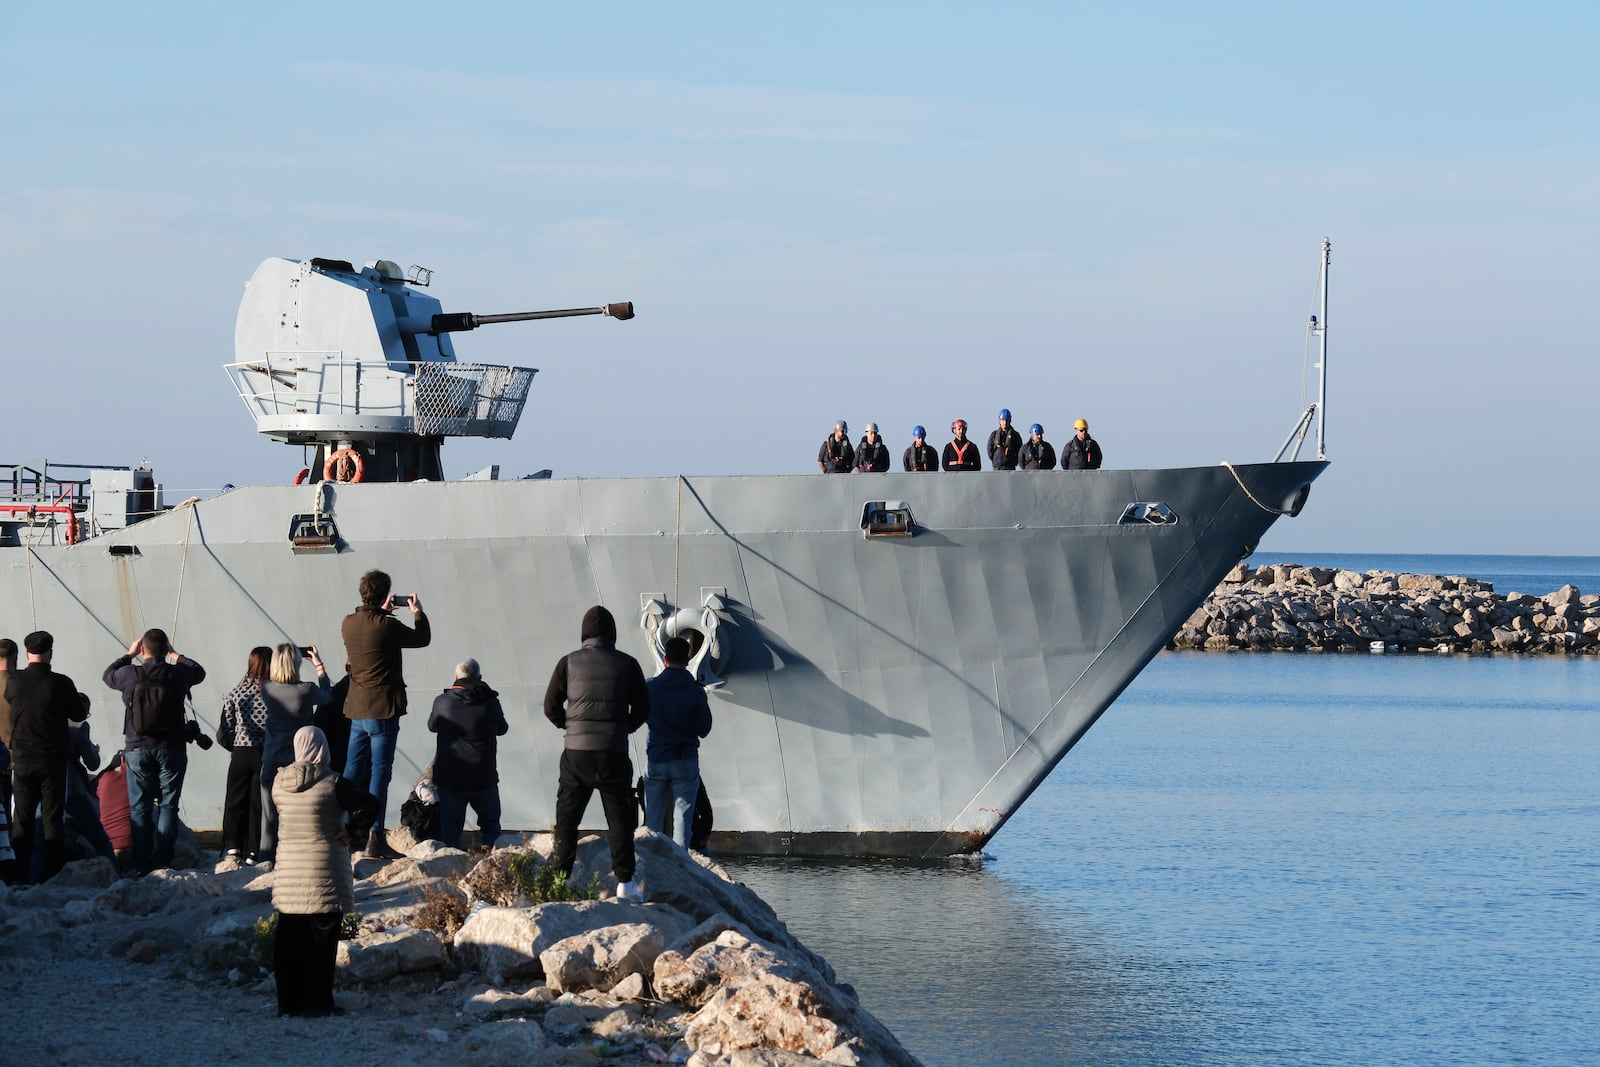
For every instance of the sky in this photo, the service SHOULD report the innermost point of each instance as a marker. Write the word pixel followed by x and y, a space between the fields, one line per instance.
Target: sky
pixel 894 212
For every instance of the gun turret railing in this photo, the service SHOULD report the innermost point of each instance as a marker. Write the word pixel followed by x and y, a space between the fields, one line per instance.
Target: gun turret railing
pixel 304 397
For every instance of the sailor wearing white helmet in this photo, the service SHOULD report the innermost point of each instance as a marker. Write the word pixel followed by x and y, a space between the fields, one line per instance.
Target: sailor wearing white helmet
pixel 872 455
pixel 836 456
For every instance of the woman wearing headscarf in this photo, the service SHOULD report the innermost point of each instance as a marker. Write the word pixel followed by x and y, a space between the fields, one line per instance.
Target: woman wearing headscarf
pixel 291 704
pixel 242 730
pixel 312 887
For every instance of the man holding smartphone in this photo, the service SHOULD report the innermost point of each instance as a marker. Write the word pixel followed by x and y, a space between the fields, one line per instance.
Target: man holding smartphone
pixel 373 641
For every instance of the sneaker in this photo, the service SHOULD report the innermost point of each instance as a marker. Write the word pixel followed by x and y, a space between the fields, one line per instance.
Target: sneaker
pixel 629 890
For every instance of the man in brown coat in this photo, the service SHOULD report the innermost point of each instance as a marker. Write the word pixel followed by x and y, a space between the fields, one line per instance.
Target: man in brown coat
pixel 373 641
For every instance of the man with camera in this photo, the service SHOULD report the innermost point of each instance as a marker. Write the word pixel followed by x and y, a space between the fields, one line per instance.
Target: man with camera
pixel 373 642
pixel 155 682
pixel 43 703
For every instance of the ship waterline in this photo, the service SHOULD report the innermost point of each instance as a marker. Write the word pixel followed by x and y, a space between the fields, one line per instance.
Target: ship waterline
pixel 892 695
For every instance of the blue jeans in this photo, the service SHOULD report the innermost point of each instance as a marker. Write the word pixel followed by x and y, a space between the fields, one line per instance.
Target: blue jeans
pixel 155 776
pixel 370 763
pixel 453 815
pixel 671 783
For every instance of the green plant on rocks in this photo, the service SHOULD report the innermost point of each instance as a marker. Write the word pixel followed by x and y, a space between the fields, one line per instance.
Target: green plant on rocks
pixel 541 883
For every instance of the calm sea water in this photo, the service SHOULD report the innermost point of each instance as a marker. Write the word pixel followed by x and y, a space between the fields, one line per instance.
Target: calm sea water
pixel 1263 859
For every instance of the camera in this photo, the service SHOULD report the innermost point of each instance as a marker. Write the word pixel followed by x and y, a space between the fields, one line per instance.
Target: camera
pixel 196 736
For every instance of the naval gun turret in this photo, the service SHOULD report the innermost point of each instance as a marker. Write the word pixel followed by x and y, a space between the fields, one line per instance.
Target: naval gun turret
pixel 358 365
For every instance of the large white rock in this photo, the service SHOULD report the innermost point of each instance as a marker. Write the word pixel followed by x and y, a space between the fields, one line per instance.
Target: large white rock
pixel 599 959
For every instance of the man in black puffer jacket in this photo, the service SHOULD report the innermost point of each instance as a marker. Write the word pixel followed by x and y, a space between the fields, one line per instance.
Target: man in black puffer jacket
pixel 469 720
pixel 598 695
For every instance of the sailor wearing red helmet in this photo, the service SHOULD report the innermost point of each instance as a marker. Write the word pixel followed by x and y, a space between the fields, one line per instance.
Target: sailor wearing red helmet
pixel 962 453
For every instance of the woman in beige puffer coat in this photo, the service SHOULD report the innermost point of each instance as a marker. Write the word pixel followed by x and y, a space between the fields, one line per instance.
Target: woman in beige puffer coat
pixel 312 886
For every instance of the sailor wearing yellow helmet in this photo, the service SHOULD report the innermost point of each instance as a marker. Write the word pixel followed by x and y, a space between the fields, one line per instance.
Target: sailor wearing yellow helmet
pixel 1082 453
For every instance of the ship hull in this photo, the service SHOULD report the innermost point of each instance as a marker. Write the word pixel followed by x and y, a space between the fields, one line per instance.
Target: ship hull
pixel 896 696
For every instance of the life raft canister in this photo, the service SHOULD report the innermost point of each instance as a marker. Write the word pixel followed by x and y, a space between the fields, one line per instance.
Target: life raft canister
pixel 344 465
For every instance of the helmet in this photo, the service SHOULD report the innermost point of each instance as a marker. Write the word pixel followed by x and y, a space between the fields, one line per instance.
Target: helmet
pixel 872 427
pixel 959 424
pixel 1005 413
pixel 1080 425
pixel 918 431
pixel 1036 428
pixel 842 425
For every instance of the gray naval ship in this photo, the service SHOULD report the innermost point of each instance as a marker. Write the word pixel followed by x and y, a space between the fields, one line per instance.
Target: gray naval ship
pixel 895 661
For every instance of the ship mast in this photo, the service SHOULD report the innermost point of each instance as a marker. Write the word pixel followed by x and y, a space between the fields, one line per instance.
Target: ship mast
pixel 1321 330
pixel 1318 328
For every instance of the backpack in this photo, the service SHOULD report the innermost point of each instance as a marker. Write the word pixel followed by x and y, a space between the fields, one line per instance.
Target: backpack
pixel 156 704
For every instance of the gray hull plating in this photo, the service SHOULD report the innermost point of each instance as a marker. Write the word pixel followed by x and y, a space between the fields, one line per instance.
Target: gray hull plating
pixel 886 696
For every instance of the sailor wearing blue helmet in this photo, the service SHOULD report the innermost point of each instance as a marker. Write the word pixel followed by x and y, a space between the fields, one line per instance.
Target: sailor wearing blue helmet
pixel 921 455
pixel 1004 444
pixel 1037 453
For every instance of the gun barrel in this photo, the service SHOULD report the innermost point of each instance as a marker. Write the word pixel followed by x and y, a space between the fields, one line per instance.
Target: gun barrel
pixel 457 321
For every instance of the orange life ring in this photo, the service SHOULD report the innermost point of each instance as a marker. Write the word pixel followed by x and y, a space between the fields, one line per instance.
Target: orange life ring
pixel 300 479
pixel 344 465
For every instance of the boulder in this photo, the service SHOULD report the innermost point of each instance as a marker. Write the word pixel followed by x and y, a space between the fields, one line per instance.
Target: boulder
pixel 1348 581
pixel 87 874
pixel 698 888
pixel 380 956
pixel 632 987
pixel 506 942
pixel 599 959
pixel 498 942
pixel 434 860
pixel 491 1003
pixel 765 1000
pixel 504 1043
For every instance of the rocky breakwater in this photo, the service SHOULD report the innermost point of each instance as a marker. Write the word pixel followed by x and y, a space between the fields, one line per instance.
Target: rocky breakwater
pixel 447 961
pixel 1285 606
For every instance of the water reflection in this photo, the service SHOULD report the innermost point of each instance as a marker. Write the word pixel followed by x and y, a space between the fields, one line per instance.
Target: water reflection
pixel 965 970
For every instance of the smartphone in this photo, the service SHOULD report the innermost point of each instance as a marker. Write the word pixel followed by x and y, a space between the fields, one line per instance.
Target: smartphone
pixel 402 601
pixel 305 651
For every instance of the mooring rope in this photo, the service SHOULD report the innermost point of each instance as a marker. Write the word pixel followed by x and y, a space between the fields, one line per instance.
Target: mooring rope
pixel 183 566
pixel 1269 510
pixel 33 609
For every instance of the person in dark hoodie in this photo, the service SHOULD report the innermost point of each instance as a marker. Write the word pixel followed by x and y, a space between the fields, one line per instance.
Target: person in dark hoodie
pixel 680 716
pixel 156 764
pixel 43 703
pixel 468 718
pixel 598 696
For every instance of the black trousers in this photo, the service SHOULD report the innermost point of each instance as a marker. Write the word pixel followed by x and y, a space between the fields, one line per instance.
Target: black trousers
pixel 582 774
pixel 43 786
pixel 304 954
pixel 241 806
